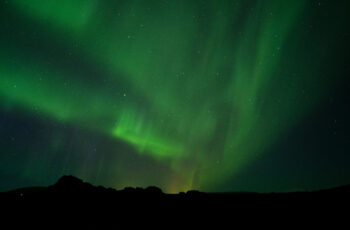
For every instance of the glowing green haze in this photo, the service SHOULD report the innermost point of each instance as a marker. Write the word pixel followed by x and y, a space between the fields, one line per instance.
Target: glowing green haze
pixel 203 88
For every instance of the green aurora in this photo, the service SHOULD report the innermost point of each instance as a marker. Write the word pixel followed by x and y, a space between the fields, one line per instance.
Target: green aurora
pixel 196 91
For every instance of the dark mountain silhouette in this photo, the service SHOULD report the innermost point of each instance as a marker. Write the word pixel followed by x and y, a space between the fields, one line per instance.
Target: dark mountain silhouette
pixel 78 200
pixel 68 186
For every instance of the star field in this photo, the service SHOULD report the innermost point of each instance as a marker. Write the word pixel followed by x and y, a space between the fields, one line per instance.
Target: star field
pixel 209 95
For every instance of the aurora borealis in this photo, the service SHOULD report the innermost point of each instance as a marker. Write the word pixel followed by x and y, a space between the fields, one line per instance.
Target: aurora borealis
pixel 213 95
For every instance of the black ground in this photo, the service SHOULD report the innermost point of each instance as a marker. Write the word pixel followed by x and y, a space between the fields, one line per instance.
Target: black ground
pixel 71 199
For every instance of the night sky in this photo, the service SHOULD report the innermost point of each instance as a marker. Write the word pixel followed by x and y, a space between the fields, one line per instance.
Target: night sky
pixel 212 95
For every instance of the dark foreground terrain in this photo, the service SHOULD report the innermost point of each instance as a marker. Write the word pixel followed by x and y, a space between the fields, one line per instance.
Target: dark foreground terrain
pixel 72 199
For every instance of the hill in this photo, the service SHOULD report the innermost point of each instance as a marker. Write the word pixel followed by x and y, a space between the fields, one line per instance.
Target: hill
pixel 74 198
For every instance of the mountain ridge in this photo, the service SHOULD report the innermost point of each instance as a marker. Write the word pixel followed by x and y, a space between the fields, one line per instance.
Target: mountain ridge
pixel 69 183
pixel 73 200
